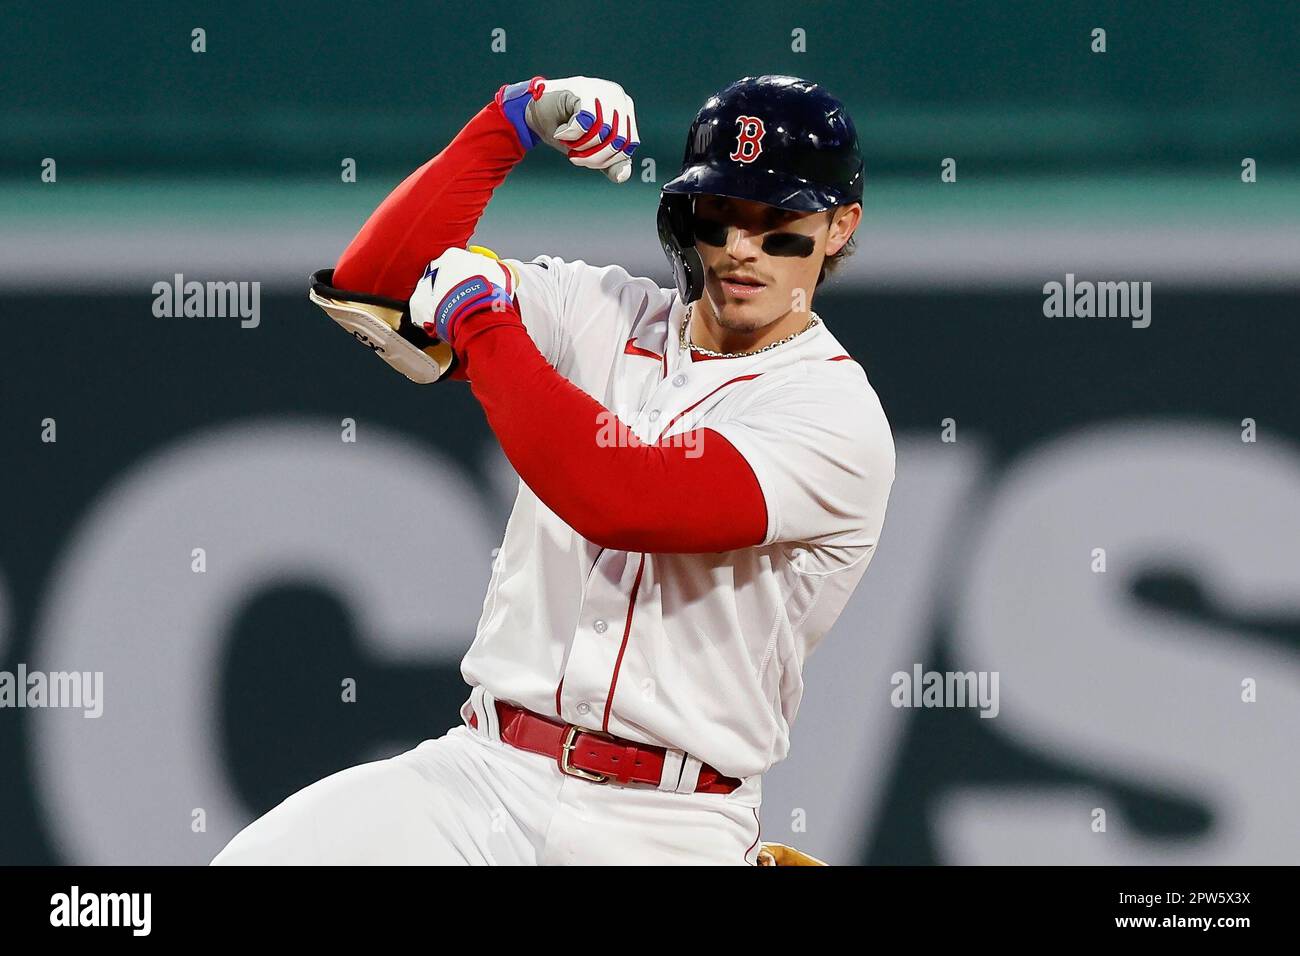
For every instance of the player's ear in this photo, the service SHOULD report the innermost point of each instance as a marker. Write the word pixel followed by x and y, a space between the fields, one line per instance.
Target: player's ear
pixel 844 220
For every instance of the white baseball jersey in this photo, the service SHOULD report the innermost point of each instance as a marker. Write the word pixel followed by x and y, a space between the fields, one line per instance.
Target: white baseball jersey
pixel 699 653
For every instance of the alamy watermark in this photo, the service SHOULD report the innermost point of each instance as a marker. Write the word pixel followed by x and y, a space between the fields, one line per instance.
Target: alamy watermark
pixel 946 689
pixel 613 433
pixel 208 300
pixel 82 690
pixel 75 908
pixel 1102 300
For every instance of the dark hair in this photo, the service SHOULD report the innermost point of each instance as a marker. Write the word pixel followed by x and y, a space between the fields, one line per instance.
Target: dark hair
pixel 833 262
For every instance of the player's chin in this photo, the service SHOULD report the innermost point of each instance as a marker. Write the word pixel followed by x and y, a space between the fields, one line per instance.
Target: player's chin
pixel 752 307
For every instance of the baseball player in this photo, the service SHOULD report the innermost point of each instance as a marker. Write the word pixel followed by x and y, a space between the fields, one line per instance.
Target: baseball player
pixel 703 480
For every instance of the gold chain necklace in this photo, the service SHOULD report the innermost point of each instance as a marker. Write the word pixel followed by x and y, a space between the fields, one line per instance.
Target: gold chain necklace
pixel 701 350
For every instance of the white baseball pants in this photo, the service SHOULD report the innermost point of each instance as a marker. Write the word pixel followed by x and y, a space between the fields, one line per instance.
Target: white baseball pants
pixel 469 798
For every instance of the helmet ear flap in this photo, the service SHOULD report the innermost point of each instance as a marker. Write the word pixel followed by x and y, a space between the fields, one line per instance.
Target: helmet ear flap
pixel 676 223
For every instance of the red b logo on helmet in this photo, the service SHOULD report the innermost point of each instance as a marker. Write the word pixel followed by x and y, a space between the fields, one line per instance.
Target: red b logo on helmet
pixel 749 142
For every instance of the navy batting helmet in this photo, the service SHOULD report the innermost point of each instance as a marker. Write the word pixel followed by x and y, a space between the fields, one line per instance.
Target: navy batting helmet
pixel 777 140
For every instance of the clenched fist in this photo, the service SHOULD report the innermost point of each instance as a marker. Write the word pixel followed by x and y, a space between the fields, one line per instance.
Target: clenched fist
pixel 591 121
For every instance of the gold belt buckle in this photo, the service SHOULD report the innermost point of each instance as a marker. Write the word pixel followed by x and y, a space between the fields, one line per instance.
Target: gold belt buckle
pixel 566 751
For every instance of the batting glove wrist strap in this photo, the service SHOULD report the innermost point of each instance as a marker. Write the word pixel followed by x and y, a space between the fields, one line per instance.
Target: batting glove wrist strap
pixel 514 99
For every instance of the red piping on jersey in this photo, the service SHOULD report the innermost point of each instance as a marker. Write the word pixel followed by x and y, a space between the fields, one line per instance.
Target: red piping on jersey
pixel 739 378
pixel 560 687
pixel 627 631
pixel 840 358
pixel 631 349
pixel 756 835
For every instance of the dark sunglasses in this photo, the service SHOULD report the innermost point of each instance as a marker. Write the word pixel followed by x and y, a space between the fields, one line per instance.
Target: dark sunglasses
pixel 711 232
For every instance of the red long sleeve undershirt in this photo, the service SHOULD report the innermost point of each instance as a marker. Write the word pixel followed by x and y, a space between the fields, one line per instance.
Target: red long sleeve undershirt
pixel 685 497
pixel 434 208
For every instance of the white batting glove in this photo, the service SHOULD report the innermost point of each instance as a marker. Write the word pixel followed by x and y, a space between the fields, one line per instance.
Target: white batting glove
pixel 591 121
pixel 456 285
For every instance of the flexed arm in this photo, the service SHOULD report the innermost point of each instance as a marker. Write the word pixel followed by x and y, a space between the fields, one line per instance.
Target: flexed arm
pixel 437 207
pixel 690 494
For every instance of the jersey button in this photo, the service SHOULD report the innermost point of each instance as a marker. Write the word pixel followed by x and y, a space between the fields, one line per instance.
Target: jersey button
pixel 584 708
pixel 600 627
pixel 654 414
pixel 679 380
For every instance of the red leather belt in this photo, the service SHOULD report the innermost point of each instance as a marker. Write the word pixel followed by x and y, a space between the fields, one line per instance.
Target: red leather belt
pixel 592 754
